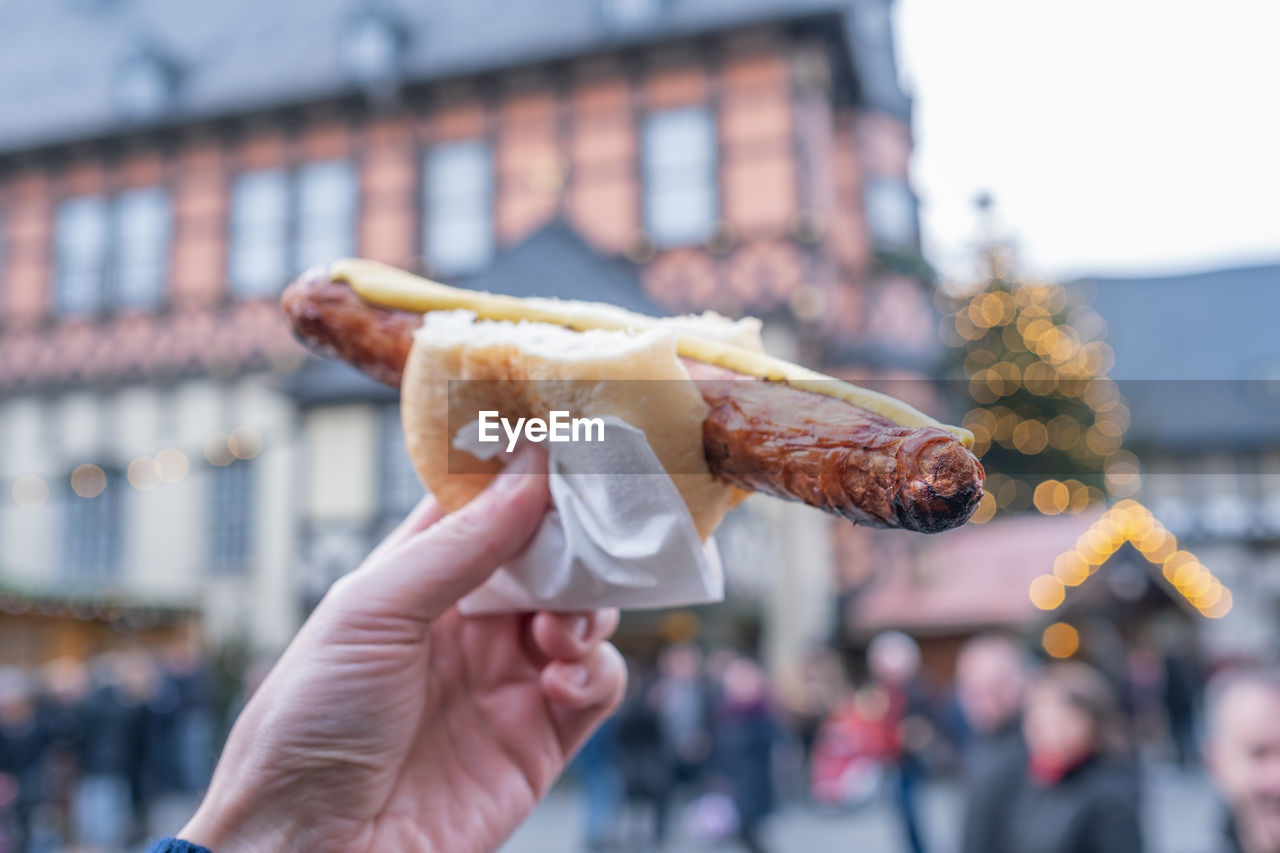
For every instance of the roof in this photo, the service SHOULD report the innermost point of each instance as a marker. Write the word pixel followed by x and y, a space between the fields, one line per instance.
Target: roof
pixel 556 261
pixel 62 61
pixel 972 578
pixel 1197 356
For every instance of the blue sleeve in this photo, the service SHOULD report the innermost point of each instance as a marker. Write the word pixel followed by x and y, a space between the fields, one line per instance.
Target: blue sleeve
pixel 176 845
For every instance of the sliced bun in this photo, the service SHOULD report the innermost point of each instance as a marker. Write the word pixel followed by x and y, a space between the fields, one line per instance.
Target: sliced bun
pixel 454 345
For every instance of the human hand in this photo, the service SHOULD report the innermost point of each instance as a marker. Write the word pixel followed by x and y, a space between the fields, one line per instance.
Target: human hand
pixel 392 722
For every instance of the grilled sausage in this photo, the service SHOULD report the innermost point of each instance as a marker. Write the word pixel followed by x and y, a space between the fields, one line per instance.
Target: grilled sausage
pixel 761 436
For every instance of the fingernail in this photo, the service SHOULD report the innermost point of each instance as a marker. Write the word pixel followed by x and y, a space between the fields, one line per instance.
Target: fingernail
pixel 581 625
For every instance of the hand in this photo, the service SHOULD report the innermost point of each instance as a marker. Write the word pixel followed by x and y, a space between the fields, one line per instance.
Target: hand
pixel 392 722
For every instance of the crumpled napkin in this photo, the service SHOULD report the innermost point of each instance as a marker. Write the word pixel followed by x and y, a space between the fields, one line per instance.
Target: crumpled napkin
pixel 622 540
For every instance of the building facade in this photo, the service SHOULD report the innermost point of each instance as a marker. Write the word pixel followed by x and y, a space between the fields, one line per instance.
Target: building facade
pixel 164 438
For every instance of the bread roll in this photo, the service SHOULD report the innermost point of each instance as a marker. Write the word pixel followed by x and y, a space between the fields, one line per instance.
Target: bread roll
pixel 454 345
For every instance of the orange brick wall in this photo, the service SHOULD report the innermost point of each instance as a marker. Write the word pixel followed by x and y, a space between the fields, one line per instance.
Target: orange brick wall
pixel 198 260
pixel 28 230
pixel 791 174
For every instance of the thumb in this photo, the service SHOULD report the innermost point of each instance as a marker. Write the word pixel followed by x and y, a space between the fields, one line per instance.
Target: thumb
pixel 426 574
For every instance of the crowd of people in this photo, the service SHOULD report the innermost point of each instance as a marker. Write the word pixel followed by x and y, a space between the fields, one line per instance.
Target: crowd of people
pixel 1049 754
pixel 89 749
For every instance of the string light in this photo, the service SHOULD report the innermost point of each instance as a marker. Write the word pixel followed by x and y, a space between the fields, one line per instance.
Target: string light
pixel 1047 592
pixel 1131 522
pixel 1060 640
pixel 171 465
pixel 88 480
pixel 142 474
pixel 145 473
pixel 30 491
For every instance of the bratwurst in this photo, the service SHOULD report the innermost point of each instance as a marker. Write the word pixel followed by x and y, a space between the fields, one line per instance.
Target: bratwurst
pixel 759 435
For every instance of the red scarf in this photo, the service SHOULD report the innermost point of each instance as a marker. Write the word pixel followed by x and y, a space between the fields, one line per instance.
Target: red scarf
pixel 1048 770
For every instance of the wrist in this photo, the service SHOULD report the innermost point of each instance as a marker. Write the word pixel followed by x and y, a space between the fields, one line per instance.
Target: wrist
pixel 222 831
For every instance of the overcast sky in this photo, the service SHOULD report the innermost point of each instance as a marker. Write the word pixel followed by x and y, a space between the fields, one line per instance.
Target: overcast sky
pixel 1117 136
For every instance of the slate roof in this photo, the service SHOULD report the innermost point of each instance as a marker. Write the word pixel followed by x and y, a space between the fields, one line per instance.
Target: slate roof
pixel 61 60
pixel 1197 356
pixel 556 261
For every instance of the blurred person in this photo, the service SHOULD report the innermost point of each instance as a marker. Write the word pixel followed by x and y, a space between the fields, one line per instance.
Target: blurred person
pixel 1081 792
pixel 189 678
pixel 893 659
pixel 22 744
pixel 393 722
pixel 1183 680
pixel 746 731
pixel 821 684
pixel 65 685
pixel 991 681
pixel 108 799
pixel 602 785
pixel 1242 752
pixel 682 698
pixel 644 763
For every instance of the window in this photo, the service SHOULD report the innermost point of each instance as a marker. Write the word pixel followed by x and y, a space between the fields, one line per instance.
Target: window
pixel 94 528
pixel 259 232
pixel 326 212
pixel 680 186
pixel 398 483
pixel 143 222
pixel 231 515
pixel 458 236
pixel 80 255
pixel 112 252
pixel 891 212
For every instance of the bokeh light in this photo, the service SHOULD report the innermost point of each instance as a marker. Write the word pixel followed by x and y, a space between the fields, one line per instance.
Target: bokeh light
pixel 1047 592
pixel 171 465
pixel 30 491
pixel 1060 640
pixel 88 480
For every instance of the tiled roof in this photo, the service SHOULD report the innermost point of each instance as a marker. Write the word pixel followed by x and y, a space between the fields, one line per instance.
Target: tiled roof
pixel 974 577
pixel 65 65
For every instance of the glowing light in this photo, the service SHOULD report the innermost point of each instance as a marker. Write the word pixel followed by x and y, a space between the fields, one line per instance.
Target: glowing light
pixel 30 491
pixel 245 442
pixel 1060 640
pixel 1175 562
pixel 1047 592
pixel 1052 497
pixel 142 474
pixel 1221 607
pixel 217 449
pixel 1071 568
pixel 171 465
pixel 88 480
pixel 985 510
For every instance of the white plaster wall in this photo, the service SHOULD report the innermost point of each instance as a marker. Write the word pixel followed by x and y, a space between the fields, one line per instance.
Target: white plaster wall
pixel 341 464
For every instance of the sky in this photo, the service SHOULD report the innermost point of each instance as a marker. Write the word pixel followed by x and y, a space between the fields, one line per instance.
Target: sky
pixel 1122 137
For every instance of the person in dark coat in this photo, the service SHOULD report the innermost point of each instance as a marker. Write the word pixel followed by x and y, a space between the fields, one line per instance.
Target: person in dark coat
pixel 1081 794
pixel 894 661
pixel 1243 757
pixel 991 680
pixel 746 731
pixel 22 742
pixel 644 764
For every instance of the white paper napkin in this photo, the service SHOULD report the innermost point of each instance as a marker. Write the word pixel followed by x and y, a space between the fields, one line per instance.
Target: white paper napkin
pixel 622 540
